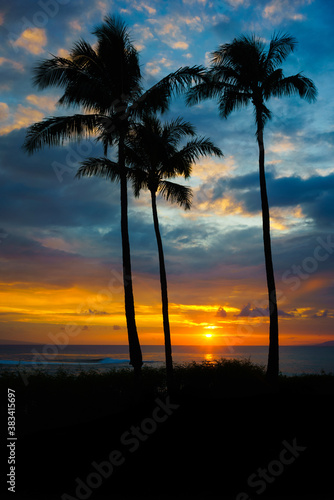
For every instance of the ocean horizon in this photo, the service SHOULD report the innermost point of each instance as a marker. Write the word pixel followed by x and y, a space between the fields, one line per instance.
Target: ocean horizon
pixel 293 359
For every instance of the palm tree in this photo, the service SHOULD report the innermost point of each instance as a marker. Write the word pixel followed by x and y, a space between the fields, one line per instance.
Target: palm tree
pixel 153 155
pixel 105 82
pixel 244 72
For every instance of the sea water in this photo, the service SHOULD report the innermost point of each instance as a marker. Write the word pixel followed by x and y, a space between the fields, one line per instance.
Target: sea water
pixel 293 359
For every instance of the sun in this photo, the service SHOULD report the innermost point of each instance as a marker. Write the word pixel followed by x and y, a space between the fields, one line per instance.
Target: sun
pixel 208 335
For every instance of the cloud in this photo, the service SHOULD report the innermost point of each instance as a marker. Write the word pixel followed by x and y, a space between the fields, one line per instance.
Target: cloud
pixel 312 196
pixel 142 32
pixel 320 314
pixel 221 313
pixel 14 64
pixel 42 102
pixel 4 111
pixel 32 40
pixel 179 45
pixel 23 117
pixel 143 6
pixel 238 3
pixel 63 53
pixel 171 31
pixel 279 10
pixel 75 25
pixel 281 144
pixel 102 7
pixel 94 312
pixel 258 312
pixel 30 181
pixel 154 67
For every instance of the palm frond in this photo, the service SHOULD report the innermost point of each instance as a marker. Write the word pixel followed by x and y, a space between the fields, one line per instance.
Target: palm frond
pixel 242 51
pixel 182 78
pixel 113 28
pixel 174 130
pixel 176 193
pixel 139 180
pixel 203 91
pixel 182 161
pixel 296 84
pixel 121 61
pixel 243 71
pixel 55 72
pixel 281 45
pixel 135 155
pixel 157 98
pixel 100 167
pixel 222 56
pixel 233 99
pixel 55 130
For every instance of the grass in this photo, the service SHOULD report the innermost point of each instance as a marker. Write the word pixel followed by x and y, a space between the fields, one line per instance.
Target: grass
pixel 224 406
pixel 223 377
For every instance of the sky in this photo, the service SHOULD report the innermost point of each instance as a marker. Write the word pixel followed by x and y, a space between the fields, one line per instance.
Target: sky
pixel 60 246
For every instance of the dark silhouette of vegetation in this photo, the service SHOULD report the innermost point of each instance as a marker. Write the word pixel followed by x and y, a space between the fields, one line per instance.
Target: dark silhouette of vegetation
pixel 221 377
pixel 224 408
pixel 243 72
pixel 106 82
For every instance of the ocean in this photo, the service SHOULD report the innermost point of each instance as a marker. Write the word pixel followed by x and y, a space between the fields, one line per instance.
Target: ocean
pixel 74 358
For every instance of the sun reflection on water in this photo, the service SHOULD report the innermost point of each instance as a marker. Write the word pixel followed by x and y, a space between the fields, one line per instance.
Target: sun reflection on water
pixel 208 358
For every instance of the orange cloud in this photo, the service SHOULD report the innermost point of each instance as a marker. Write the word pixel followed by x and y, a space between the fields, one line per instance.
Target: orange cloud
pixel 142 6
pixel 42 102
pixel 154 67
pixel 282 143
pixel 4 111
pixel 23 117
pixel 179 45
pixel 32 40
pixel 278 10
pixel 15 64
pixel 75 25
pixel 63 53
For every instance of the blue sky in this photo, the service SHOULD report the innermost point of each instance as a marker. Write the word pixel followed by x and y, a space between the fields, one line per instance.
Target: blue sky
pixel 60 237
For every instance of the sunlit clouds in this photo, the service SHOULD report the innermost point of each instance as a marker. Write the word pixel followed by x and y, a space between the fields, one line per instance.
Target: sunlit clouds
pixel 14 64
pixel 279 10
pixel 33 40
pixel 60 243
pixel 42 102
pixel 23 116
pixel 4 111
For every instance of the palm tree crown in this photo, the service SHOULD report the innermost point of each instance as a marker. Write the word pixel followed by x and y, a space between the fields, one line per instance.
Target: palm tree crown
pixel 106 82
pixel 243 72
pixel 153 153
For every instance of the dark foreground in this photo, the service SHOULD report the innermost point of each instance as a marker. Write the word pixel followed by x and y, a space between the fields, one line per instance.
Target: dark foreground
pixel 224 435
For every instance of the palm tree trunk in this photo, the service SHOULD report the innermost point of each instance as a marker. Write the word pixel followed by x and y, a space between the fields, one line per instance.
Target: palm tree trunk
pixel 136 359
pixel 273 356
pixel 164 297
